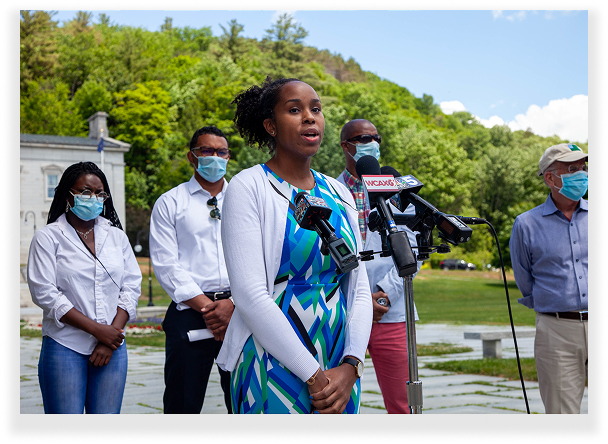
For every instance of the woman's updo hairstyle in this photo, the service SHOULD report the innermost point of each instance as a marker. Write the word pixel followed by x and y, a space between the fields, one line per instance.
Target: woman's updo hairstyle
pixel 255 105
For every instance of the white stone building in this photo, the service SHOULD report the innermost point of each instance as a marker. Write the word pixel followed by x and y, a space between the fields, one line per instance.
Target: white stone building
pixel 45 158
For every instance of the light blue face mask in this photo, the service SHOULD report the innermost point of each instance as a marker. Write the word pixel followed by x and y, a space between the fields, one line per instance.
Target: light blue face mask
pixel 211 168
pixel 574 186
pixel 368 149
pixel 86 209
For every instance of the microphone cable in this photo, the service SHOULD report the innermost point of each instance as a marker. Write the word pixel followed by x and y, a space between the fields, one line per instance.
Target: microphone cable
pixel 478 221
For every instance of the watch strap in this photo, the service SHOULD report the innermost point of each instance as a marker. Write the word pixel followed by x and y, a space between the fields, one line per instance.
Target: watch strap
pixel 355 363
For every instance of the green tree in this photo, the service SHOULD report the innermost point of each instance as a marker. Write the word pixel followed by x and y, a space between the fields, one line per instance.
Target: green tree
pixel 78 51
pixel 104 20
pixel 427 106
pixel 142 117
pixel 92 97
pixel 286 37
pixel 440 164
pixel 168 25
pixel 46 109
pixel 38 46
pixel 231 41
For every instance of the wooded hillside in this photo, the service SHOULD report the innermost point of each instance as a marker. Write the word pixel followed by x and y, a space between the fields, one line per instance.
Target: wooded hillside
pixel 158 87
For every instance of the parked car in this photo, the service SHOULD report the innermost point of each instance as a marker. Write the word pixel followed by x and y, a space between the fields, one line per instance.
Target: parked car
pixel 456 264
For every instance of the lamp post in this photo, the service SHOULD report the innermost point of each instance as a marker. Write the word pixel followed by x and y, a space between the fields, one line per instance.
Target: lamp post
pixel 33 214
pixel 137 248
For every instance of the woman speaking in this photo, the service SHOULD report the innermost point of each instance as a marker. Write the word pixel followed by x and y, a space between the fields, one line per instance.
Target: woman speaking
pixel 297 338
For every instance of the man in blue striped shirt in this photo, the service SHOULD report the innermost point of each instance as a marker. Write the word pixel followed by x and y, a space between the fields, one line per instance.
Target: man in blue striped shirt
pixel 549 257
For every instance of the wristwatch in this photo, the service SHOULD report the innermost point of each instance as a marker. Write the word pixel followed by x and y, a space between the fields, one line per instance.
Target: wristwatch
pixel 383 301
pixel 355 363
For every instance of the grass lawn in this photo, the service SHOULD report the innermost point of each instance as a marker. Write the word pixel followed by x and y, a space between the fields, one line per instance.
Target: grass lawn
pixel 502 368
pixel 468 297
pixel 441 297
pixel 159 296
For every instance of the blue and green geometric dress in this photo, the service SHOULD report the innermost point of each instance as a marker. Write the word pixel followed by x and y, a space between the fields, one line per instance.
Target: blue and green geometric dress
pixel 307 290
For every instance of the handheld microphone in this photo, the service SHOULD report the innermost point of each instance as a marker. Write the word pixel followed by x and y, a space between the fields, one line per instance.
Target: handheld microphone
pixel 405 184
pixel 312 213
pixel 380 187
pixel 451 228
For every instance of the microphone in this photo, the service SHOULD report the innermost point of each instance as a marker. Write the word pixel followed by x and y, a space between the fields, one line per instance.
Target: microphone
pixel 451 228
pixel 404 183
pixel 380 187
pixel 312 213
pixel 472 220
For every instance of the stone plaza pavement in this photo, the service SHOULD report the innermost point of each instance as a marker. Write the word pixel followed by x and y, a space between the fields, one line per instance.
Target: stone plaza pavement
pixel 443 392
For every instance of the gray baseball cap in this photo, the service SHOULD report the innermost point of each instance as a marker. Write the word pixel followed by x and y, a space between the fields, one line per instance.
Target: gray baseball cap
pixel 562 152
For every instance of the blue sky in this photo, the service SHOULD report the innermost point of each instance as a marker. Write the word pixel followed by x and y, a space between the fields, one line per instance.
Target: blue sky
pixel 494 64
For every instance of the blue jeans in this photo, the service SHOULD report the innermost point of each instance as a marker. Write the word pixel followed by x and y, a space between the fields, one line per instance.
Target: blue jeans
pixel 69 384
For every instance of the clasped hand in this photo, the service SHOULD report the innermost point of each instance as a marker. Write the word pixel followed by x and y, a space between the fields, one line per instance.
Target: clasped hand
pixel 332 389
pixel 109 335
pixel 101 355
pixel 216 316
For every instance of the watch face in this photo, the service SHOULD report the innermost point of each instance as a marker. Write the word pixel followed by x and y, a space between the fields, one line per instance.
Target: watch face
pixel 360 369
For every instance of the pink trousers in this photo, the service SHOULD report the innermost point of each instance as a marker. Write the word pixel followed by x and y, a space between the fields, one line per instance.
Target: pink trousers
pixel 388 349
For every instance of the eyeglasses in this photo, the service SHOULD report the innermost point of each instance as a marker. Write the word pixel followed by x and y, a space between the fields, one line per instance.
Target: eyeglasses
pixel 88 194
pixel 215 212
pixel 204 151
pixel 574 168
pixel 365 138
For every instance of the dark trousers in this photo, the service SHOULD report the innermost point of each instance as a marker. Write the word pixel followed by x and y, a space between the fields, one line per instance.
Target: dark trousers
pixel 188 364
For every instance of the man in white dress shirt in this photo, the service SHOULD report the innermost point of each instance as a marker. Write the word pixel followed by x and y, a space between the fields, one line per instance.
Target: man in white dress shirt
pixel 187 254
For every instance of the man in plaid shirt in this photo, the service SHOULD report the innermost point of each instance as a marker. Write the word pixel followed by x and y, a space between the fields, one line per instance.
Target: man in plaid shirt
pixel 388 340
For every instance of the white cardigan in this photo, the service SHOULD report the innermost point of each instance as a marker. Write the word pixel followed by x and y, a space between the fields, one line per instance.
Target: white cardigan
pixel 254 217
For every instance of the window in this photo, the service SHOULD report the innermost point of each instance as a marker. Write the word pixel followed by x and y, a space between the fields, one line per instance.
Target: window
pixel 52 174
pixel 51 183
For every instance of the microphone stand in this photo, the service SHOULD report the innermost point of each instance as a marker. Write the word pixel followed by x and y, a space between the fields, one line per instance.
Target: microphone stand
pixel 414 385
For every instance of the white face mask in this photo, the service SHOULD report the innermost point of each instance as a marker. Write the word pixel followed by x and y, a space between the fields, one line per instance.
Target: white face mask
pixel 368 149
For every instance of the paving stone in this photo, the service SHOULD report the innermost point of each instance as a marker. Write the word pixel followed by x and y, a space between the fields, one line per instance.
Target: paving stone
pixel 443 392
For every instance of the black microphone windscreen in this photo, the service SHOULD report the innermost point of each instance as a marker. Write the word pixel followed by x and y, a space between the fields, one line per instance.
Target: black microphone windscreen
pixel 367 166
pixel 390 170
pixel 299 196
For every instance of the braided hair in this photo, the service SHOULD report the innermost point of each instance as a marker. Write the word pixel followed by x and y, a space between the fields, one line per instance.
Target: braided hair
pixel 255 105
pixel 71 175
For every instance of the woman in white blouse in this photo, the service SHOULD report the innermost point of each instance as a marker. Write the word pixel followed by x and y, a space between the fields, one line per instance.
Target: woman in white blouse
pixel 83 274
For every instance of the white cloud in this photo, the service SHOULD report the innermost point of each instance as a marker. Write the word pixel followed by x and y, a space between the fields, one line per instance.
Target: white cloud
pixel 492 121
pixel 451 107
pixel 519 15
pixel 567 118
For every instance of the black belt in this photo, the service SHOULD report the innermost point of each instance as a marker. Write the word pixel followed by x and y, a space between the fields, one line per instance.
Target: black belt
pixel 217 295
pixel 576 315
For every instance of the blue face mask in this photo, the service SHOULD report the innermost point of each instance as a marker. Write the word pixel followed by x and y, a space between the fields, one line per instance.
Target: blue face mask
pixel 212 168
pixel 574 186
pixel 86 209
pixel 368 149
